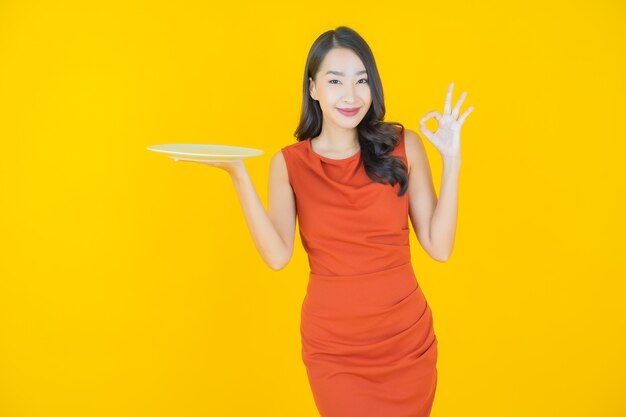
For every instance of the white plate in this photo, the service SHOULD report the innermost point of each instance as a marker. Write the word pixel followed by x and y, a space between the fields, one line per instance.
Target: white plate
pixel 205 153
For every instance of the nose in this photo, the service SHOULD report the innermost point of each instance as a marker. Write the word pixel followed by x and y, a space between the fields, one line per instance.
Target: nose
pixel 349 96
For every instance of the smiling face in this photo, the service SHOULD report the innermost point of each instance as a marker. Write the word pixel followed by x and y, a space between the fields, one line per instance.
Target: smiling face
pixel 341 83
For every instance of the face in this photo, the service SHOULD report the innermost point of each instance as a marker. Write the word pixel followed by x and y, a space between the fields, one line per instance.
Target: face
pixel 341 83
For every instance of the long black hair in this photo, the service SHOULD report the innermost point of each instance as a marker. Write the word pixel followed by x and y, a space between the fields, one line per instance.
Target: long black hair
pixel 376 138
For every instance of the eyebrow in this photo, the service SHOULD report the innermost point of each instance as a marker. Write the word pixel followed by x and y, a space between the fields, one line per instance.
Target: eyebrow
pixel 342 74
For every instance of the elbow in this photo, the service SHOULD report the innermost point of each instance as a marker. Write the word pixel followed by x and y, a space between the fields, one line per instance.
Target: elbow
pixel 441 257
pixel 436 251
pixel 277 266
pixel 440 254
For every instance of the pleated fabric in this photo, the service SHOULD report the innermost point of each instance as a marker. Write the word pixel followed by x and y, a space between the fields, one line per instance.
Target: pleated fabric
pixel 368 340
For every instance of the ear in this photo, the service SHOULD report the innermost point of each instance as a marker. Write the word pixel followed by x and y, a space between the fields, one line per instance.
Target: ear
pixel 312 89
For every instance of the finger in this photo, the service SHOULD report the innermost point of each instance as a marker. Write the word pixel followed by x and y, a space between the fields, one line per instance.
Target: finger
pixel 455 112
pixel 447 108
pixel 185 160
pixel 428 133
pixel 433 114
pixel 464 115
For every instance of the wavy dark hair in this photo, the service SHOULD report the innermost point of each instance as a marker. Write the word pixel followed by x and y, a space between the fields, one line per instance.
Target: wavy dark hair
pixel 376 138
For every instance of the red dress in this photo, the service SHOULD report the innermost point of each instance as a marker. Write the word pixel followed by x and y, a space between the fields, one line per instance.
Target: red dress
pixel 368 342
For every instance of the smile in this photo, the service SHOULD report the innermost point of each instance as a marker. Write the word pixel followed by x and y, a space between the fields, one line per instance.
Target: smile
pixel 349 112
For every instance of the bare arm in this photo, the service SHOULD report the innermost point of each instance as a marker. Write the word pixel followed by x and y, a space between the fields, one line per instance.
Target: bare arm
pixel 434 220
pixel 273 232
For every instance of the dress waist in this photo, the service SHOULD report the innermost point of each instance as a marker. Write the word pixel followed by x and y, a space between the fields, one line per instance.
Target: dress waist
pixel 360 292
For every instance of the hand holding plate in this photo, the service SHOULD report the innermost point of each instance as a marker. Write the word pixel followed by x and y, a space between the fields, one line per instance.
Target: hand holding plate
pixel 234 166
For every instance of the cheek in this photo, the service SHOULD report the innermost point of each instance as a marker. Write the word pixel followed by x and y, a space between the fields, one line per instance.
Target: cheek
pixel 329 97
pixel 329 92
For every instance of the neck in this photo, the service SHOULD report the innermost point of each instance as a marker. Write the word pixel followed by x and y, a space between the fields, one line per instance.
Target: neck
pixel 338 139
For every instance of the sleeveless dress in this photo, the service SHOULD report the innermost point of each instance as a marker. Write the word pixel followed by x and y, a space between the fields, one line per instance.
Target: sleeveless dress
pixel 368 342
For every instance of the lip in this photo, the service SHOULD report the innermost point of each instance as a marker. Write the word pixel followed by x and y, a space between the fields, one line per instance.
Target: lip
pixel 349 111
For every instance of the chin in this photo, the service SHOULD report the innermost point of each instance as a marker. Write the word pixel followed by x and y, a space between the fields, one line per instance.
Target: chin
pixel 352 125
pixel 354 122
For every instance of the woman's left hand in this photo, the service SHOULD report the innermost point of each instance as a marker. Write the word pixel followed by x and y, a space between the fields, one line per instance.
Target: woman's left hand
pixel 447 138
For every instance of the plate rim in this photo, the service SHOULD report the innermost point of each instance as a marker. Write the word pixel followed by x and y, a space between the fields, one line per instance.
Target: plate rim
pixel 254 151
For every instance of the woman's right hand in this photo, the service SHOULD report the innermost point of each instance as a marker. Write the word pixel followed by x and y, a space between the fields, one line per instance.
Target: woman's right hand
pixel 234 167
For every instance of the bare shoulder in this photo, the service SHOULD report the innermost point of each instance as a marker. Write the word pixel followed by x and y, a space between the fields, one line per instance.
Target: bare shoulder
pixel 278 163
pixel 414 149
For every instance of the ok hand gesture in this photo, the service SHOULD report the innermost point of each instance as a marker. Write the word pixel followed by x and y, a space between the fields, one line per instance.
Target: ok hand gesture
pixel 447 138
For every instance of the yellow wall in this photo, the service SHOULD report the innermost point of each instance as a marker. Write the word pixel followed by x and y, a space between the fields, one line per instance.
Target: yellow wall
pixel 130 286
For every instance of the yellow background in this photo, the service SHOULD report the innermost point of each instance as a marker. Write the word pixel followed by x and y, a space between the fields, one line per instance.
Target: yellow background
pixel 130 285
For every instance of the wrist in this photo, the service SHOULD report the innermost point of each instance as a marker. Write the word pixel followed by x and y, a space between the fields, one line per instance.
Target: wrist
pixel 238 174
pixel 451 160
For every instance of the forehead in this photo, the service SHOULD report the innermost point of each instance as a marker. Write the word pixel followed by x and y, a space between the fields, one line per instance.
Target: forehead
pixel 342 60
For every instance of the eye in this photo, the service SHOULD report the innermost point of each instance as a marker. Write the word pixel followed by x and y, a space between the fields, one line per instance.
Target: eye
pixel 362 79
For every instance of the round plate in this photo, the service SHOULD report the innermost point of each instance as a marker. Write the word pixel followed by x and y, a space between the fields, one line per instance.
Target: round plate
pixel 204 152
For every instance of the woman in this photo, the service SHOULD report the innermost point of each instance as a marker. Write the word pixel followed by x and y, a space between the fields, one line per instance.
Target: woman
pixel 368 341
